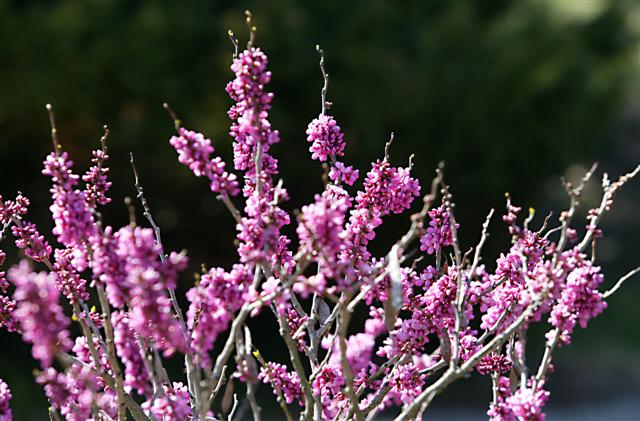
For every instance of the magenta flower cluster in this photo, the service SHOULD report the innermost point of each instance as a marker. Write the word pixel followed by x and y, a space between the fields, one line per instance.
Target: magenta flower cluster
pixel 5 398
pixel 327 141
pixel 194 151
pixel 101 307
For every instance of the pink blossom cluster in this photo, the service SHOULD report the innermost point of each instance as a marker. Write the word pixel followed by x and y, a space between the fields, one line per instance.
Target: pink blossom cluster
pixel 250 112
pixel 386 190
pixel 5 398
pixel 74 393
pixel 73 220
pixel 579 301
pixel 194 151
pixel 434 312
pixel 525 403
pixel 97 183
pixel 131 354
pixel 321 227
pixel 341 173
pixel 213 302
pixel 173 404
pixel 325 137
pixel 438 233
pixel 282 381
pixel 38 313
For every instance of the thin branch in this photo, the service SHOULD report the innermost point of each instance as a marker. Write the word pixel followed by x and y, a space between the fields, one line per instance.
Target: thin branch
pixel 618 284
pixel 607 198
pixel 453 374
pixel 145 207
pixel 177 123
pixel 350 392
pixel 252 29
pixel 279 396
pixel 294 356
pixel 234 41
pixel 483 238
pixel 325 77
pixel 193 378
pixel 546 358
pixel 54 131
pixel 224 197
pixel 111 351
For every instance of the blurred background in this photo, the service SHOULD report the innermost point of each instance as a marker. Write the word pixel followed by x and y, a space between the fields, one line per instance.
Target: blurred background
pixel 511 95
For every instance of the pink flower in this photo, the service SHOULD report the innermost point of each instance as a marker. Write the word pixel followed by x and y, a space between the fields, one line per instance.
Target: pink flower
pixel 282 381
pixel 438 233
pixel 5 397
pixel 97 183
pixel 194 151
pixel 67 277
pixel 128 349
pixel 74 222
pixel 343 174
pixel 38 313
pixel 326 138
pixel 173 405
pixel 213 303
pixel 579 301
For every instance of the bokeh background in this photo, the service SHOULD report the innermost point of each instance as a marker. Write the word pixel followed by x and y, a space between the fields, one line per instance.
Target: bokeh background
pixel 511 95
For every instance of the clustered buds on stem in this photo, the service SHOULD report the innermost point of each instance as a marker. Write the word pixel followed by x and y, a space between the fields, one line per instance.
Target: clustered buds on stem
pixel 434 315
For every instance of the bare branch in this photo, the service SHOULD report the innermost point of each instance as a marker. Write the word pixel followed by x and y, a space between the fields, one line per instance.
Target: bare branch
pixel 618 284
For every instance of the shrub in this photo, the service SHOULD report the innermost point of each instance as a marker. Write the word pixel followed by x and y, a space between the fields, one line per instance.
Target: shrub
pixel 436 313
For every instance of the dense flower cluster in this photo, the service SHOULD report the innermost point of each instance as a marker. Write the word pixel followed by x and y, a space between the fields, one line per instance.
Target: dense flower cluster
pixel 321 227
pixel 194 151
pixel 97 183
pixel 73 220
pixel 386 190
pixel 74 393
pixel 213 302
pixel 172 405
pixel 341 173
pixel 38 313
pixel 5 397
pixel 282 381
pixel 250 112
pixel 67 277
pixel 435 314
pixel 523 404
pixel 579 301
pixel 128 349
pixel 438 233
pixel 326 138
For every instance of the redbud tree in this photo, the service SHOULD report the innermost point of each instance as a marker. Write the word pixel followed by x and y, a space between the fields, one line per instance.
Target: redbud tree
pixel 437 311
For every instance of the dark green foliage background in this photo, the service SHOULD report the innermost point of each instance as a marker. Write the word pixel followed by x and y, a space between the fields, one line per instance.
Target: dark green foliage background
pixel 509 94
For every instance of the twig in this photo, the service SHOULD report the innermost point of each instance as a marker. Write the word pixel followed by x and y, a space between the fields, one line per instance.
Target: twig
pixel 279 396
pixel 618 284
pixel 111 350
pixel 252 29
pixel 483 238
pixel 607 197
pixel 176 121
pixel 342 326
pixel 224 197
pixel 54 130
pixel 233 409
pixel 193 377
pixel 546 358
pixel 325 77
pixel 234 41
pixel 459 300
pixel 452 374
pixel 294 356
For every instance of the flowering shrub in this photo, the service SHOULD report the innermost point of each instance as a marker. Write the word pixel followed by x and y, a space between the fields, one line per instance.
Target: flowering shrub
pixel 435 314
